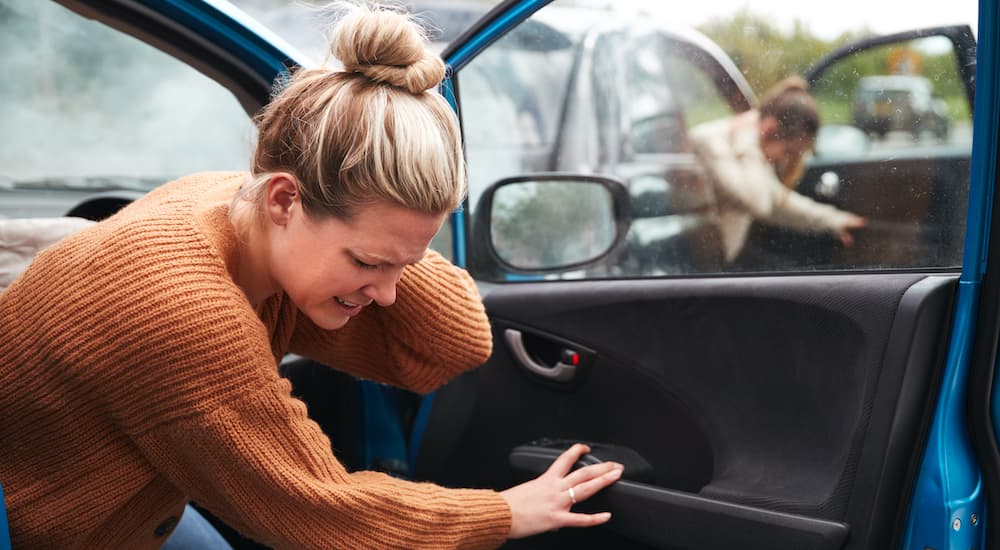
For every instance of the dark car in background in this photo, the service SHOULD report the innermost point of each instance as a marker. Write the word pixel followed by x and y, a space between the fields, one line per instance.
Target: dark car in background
pixel 903 103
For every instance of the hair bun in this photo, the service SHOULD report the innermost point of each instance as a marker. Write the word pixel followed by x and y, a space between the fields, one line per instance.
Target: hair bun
pixel 793 83
pixel 386 46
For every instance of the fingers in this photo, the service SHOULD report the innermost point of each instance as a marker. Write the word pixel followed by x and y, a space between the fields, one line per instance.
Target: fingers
pixel 585 481
pixel 562 465
pixel 594 471
pixel 545 503
pixel 597 477
pixel 585 520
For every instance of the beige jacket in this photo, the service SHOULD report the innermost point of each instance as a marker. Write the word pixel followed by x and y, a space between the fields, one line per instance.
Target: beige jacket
pixel 747 188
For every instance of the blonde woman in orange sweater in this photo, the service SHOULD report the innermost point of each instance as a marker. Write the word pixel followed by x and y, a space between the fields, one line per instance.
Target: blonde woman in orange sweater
pixel 138 358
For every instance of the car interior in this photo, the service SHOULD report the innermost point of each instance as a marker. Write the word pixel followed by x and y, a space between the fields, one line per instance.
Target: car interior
pixel 781 404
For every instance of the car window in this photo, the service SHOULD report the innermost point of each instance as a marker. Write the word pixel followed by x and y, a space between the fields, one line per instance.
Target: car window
pixel 89 110
pixel 668 107
pixel 669 93
pixel 902 97
pixel 656 121
pixel 895 140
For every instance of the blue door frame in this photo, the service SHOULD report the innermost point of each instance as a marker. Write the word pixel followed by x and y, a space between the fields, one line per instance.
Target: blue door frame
pixel 948 509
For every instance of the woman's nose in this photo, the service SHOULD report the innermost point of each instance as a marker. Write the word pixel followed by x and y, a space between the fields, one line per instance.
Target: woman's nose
pixel 382 291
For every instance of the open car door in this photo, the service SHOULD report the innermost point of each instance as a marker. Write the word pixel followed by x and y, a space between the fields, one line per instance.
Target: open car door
pixel 813 400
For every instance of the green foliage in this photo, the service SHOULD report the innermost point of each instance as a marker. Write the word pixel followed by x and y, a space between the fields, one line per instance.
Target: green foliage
pixel 763 52
pixel 766 54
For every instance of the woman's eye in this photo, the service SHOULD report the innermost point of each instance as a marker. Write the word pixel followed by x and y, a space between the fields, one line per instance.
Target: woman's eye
pixel 363 265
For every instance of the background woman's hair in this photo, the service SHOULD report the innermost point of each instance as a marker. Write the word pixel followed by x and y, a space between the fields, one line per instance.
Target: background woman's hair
pixel 375 131
pixel 790 103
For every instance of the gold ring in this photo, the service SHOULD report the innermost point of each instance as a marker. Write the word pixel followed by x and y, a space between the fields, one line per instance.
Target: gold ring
pixel 572 495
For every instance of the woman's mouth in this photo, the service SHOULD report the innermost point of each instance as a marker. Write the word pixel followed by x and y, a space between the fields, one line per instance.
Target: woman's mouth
pixel 350 308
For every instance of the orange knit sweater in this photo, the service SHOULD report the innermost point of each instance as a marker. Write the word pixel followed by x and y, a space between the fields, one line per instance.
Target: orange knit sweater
pixel 135 376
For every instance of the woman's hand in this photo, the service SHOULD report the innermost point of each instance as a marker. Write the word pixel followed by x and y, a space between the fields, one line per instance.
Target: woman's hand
pixel 854 222
pixel 544 503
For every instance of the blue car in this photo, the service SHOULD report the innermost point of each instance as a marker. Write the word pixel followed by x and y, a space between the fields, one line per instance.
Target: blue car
pixel 815 396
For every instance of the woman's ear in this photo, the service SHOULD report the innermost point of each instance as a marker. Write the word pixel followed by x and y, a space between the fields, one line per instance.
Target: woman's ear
pixel 281 196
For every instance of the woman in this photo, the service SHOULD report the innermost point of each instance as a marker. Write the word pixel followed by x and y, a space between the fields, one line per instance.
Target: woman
pixel 754 161
pixel 138 363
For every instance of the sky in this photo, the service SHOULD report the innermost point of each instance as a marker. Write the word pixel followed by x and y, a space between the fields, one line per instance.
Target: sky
pixel 826 18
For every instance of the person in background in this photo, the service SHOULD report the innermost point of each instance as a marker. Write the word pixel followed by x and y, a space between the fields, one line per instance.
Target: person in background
pixel 139 357
pixel 755 159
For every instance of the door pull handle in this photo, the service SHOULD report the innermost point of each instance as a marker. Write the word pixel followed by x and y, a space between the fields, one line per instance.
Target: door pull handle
pixel 562 371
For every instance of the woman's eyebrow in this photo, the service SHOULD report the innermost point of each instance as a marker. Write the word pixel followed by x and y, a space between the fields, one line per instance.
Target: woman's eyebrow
pixel 373 258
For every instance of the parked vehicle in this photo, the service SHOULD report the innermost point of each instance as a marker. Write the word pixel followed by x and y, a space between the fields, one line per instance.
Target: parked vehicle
pixel 899 103
pixel 832 399
pixel 577 117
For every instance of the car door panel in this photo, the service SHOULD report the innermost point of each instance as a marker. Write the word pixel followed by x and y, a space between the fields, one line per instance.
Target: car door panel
pixel 767 402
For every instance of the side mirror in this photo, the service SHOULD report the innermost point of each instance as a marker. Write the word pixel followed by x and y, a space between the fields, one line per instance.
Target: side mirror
pixel 527 227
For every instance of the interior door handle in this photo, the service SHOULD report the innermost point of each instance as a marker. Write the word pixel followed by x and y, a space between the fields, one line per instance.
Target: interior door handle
pixel 560 372
pixel 828 185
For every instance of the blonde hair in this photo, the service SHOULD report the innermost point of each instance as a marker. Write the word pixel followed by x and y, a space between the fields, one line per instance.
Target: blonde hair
pixel 376 131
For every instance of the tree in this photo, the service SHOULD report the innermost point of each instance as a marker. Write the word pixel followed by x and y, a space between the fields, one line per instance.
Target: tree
pixel 766 54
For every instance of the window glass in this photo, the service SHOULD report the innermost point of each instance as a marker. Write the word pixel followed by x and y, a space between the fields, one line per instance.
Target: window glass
pixel 87 109
pixel 669 106
pixel 669 93
pixel 656 121
pixel 512 128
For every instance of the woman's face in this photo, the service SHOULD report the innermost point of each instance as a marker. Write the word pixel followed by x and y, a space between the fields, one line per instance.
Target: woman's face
pixel 332 268
pixel 778 150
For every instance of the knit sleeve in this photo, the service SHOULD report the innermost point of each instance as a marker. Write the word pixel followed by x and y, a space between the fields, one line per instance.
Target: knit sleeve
pixel 262 466
pixel 436 329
